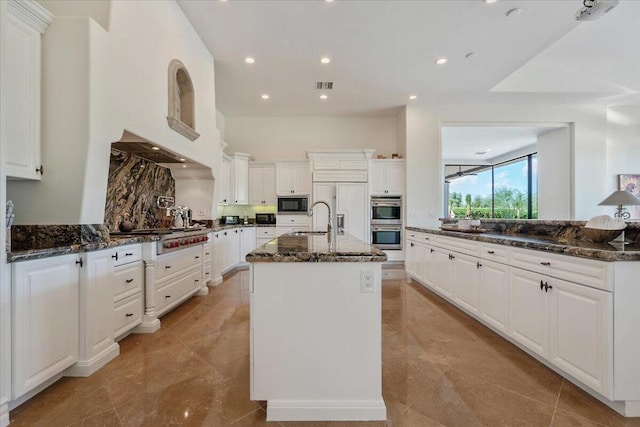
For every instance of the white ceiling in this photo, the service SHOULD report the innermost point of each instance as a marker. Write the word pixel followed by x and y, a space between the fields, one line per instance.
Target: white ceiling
pixel 382 51
pixel 460 143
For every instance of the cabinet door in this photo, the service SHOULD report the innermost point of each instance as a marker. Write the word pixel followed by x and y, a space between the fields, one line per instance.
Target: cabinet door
pixel 528 308
pixel 494 294
pixel 96 303
pixel 466 278
pixel 394 178
pixel 442 271
pixel 22 121
pixel 269 185
pixel 241 180
pixel 225 181
pixel 301 180
pixel 581 333
pixel 218 254
pixel 284 180
pixel 377 180
pixel 256 186
pixel 351 202
pixel 45 320
pixel 233 247
pixel 411 258
pixel 247 241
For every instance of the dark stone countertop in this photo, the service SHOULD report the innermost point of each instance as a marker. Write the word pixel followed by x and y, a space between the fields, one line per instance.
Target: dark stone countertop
pixel 572 247
pixel 316 248
pixel 30 254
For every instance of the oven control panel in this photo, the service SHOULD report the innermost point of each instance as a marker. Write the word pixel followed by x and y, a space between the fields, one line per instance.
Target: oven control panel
pixel 174 243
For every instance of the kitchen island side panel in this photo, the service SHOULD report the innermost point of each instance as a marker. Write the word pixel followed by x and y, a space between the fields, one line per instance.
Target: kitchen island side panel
pixel 315 335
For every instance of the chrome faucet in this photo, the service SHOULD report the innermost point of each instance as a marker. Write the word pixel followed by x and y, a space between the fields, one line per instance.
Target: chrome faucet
pixel 310 213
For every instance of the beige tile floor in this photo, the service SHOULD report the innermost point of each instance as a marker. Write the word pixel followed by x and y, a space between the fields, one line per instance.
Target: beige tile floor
pixel 440 368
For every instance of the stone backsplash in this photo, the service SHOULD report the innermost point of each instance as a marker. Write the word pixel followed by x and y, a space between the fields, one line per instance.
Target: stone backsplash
pixel 33 237
pixel 133 188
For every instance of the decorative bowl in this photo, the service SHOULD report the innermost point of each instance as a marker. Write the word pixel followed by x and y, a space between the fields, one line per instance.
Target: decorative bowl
pixel 598 235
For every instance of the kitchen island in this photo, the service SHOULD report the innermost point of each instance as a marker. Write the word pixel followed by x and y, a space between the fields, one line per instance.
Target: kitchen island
pixel 316 328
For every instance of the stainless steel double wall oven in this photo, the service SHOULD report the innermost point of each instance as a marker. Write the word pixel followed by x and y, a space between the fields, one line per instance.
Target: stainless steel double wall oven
pixel 386 222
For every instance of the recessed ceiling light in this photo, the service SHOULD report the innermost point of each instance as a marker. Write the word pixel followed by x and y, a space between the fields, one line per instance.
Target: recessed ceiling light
pixel 325 60
pixel 184 166
pixel 441 61
pixel 265 96
pixel 249 60
pixel 155 148
pixel 412 97
pixel 323 96
pixel 490 1
pixel 328 1
pixel 514 12
pixel 183 160
pixel 470 55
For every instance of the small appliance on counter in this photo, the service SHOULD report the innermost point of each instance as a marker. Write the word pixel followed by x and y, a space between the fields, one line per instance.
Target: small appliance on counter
pixel 265 218
pixel 230 220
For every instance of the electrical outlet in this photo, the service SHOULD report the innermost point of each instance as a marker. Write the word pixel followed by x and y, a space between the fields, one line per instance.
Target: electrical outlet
pixel 366 282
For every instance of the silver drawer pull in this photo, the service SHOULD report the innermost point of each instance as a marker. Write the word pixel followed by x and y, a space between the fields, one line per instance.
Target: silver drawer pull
pixel 129 280
pixel 546 263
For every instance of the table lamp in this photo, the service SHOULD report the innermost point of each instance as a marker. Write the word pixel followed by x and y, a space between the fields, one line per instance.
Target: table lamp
pixel 621 198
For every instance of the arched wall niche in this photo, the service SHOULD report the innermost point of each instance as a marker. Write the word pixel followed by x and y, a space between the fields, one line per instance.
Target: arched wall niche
pixel 182 112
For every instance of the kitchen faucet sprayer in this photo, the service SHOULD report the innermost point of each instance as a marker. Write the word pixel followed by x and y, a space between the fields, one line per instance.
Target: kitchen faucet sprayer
pixel 329 228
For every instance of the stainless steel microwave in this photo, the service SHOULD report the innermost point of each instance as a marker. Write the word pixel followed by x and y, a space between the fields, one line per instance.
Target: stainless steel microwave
pixel 288 205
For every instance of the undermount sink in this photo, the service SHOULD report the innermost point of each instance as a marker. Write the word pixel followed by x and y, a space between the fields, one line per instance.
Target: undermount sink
pixel 306 233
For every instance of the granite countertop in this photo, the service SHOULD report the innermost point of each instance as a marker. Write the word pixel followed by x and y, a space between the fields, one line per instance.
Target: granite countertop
pixel 316 248
pixel 572 247
pixel 30 254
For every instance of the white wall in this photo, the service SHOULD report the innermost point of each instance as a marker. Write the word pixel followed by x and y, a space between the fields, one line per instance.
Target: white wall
pixel 554 175
pixel 284 138
pixel 98 10
pixel 97 84
pixel 588 150
pixel 623 143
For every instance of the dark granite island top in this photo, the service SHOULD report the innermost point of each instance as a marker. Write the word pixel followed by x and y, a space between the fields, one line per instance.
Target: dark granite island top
pixel 565 245
pixel 303 247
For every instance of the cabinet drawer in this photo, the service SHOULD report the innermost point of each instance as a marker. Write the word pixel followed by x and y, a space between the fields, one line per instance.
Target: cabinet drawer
pixel 127 280
pixel 419 237
pixel 169 295
pixel 579 270
pixel 127 254
pixel 494 252
pixel 460 245
pixel 294 220
pixel 264 232
pixel 173 263
pixel 207 250
pixel 127 314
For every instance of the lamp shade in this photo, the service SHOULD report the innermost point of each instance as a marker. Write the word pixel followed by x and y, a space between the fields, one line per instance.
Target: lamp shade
pixel 620 197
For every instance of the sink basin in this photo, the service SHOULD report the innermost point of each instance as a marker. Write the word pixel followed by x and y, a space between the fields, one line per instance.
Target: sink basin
pixel 307 233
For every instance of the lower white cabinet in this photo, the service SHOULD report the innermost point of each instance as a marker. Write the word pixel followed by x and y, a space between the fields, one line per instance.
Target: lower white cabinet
pixel 45 320
pixel 127 307
pixel 178 276
pixel 568 324
pixel 127 314
pixel 207 267
pixel 247 241
pixel 264 235
pixel 494 294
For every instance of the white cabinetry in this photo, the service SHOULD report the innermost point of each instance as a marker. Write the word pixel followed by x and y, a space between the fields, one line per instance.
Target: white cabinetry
pixel 26 21
pixel 387 177
pixel 178 276
pixel 247 241
pixel 293 178
pixel 207 266
pixel 351 201
pixel 45 320
pixel 264 235
pixel 225 180
pixel 262 184
pixel 240 186
pixel 527 296
pixel 128 283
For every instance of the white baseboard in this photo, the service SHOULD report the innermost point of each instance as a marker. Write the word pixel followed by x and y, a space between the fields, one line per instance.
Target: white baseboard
pixel 202 292
pixel 84 368
pixel 28 395
pixel 326 410
pixel 147 327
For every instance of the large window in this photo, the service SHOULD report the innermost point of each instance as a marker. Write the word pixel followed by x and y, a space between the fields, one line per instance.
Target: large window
pixel 503 190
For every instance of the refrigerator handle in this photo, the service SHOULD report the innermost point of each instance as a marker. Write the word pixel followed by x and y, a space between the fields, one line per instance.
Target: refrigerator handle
pixel 340 225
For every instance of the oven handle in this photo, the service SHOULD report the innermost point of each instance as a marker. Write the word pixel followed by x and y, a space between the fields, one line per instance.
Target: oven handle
pixel 386 204
pixel 389 228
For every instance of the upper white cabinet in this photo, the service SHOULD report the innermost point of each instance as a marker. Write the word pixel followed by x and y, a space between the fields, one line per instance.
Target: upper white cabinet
pixel 240 178
pixel 26 21
pixel 293 178
pixel 262 184
pixel 225 180
pixel 45 320
pixel 387 177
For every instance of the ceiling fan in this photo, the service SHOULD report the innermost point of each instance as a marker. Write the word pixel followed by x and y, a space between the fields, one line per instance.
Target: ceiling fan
pixel 460 173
